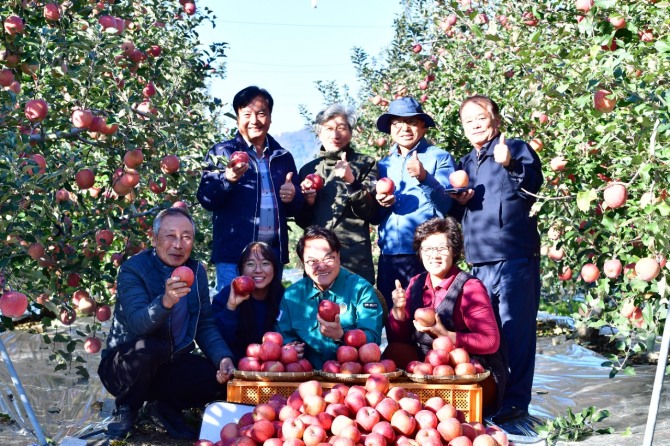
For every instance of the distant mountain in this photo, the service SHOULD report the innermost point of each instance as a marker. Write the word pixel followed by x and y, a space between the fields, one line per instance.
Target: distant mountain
pixel 303 145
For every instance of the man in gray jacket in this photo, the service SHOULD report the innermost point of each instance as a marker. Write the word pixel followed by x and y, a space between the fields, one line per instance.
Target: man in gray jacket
pixel 158 319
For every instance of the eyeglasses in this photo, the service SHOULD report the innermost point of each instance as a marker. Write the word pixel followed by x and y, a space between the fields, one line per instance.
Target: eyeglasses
pixel 266 264
pixel 329 259
pixel 399 123
pixel 435 251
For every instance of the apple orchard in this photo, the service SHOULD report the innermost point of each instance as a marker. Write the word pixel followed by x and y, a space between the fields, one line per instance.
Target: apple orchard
pixel 104 120
pixel 585 83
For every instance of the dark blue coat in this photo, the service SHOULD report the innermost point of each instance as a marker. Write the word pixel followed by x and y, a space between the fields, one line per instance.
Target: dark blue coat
pixel 497 224
pixel 235 206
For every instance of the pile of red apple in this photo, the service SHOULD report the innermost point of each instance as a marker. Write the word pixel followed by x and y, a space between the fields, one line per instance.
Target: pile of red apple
pixel 371 415
pixel 272 356
pixel 358 356
pixel 444 359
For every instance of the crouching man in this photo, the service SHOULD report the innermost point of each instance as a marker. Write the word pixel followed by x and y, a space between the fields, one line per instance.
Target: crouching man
pixel 158 319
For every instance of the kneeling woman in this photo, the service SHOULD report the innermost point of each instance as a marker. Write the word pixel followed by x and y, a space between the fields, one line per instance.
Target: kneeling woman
pixel 460 300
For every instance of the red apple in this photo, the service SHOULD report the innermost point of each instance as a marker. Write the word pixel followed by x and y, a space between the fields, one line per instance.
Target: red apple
pixel 295 367
pixel 14 25
pixel 423 369
pixel 374 367
pixel 403 422
pixel 369 352
pixel 67 316
pixel 169 164
pixel 443 343
pixel 340 422
pixel 355 338
pixel 377 382
pixel 92 345
pixel 425 316
pixel 316 181
pixel 272 366
pixel 51 12
pixel 437 357
pixel 261 430
pixel 411 405
pixel 243 285
pixel 558 164
pixel 249 364
pixel 584 5
pixel 459 178
pixel 13 304
pixel 590 273
pixel 603 102
pixel 426 419
pixel 254 350
pixel 289 355
pixel 328 310
pixel 612 268
pixel 36 110
pixel 86 305
pixel 185 274
pixel 449 429
pixel 417 48
pixel 387 407
pixel 346 353
pixel 273 336
pixel 82 119
pixel 103 313
pixel 331 366
pixel 311 387
pixel 465 368
pixel 458 356
pixel 270 351
pixel 385 429
pixel 615 195
pixel 237 158
pixel 313 404
pixel 389 365
pixel 313 435
pixel 159 185
pixel 306 365
pixel 385 186
pixel 443 370
pixel 351 368
pixel 647 269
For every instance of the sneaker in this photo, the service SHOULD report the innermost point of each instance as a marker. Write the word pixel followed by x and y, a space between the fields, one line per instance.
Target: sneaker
pixel 124 419
pixel 172 420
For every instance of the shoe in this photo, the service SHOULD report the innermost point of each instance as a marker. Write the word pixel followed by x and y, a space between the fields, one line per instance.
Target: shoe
pixel 172 420
pixel 509 413
pixel 124 419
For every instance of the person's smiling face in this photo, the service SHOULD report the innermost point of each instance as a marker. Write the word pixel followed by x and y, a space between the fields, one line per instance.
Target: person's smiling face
pixel 407 132
pixel 478 124
pixel 174 240
pixel 253 121
pixel 259 269
pixel 322 264
pixel 335 134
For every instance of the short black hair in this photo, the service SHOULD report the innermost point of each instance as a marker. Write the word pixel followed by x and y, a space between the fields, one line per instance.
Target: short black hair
pixel 247 95
pixel 171 212
pixel 317 232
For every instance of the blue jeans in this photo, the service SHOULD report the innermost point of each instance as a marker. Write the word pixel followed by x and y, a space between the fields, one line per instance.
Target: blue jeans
pixel 514 290
pixel 226 272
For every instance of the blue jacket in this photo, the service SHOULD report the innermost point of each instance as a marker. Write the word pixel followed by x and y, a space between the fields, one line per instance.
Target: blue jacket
pixel 236 206
pixel 359 308
pixel 497 224
pixel 415 202
pixel 139 311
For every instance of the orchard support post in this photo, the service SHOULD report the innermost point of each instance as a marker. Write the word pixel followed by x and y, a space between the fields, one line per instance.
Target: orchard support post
pixel 658 385
pixel 22 395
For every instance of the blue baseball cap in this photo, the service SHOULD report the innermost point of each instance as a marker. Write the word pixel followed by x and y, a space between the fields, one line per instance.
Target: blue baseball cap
pixel 403 108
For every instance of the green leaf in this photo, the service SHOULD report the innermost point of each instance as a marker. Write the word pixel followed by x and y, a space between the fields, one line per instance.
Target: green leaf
pixel 585 198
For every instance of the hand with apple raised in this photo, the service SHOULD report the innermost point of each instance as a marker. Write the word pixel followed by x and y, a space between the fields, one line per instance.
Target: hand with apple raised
pixel 501 153
pixel 399 298
pixel 240 290
pixel 175 289
pixel 237 166
pixel 332 330
pixel 343 169
pixel 436 330
pixel 415 168
pixel 225 372
pixel 385 189
pixel 287 190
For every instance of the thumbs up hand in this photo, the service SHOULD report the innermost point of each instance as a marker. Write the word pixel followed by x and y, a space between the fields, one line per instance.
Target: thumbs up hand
pixel 399 298
pixel 287 190
pixel 343 169
pixel 501 152
pixel 415 168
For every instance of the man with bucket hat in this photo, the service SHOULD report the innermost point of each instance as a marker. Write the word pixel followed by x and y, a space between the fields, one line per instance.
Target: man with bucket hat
pixel 420 172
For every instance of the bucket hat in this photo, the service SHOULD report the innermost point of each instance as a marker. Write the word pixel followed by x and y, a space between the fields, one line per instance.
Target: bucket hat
pixel 403 108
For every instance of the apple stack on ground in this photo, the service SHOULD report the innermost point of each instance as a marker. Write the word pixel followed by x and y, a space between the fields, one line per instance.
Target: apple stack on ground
pixel 272 356
pixel 372 415
pixel 358 356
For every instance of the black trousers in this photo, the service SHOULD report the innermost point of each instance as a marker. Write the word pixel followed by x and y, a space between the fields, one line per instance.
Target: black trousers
pixel 144 370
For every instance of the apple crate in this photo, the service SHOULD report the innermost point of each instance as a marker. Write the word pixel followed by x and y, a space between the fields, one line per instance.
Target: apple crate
pixel 465 397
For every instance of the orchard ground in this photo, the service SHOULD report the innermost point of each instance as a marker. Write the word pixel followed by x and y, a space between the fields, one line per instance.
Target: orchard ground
pixel 66 405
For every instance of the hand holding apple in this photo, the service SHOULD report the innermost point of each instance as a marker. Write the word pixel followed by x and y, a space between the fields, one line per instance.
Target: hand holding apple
pixel 501 152
pixel 331 330
pixel 287 190
pixel 436 330
pixel 237 166
pixel 343 169
pixel 235 299
pixel 175 289
pixel 225 372
pixel 399 298
pixel 415 168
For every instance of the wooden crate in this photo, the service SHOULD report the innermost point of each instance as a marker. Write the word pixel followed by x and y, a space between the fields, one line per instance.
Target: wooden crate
pixel 465 397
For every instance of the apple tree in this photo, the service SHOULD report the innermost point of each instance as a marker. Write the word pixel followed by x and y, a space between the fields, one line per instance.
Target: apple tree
pixel 104 120
pixel 585 83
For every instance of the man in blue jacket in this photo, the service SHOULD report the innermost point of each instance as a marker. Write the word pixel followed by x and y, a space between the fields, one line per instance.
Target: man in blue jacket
pixel 157 321
pixel 420 172
pixel 250 200
pixel 501 238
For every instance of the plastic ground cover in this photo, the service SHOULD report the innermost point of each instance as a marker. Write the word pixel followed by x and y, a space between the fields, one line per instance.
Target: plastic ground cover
pixel 567 376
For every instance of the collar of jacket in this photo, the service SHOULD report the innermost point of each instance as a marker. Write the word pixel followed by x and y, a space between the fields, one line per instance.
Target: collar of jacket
pixel 166 270
pixel 271 144
pixel 420 147
pixel 484 151
pixel 337 288
pixel 336 156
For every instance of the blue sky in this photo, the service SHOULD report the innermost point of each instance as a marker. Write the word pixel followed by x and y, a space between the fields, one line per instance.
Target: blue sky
pixel 286 45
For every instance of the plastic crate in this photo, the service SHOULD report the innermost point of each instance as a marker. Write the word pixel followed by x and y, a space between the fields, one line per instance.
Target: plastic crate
pixel 465 397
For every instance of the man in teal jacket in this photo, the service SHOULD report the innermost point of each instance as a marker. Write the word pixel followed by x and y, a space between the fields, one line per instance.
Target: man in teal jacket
pixel 319 251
